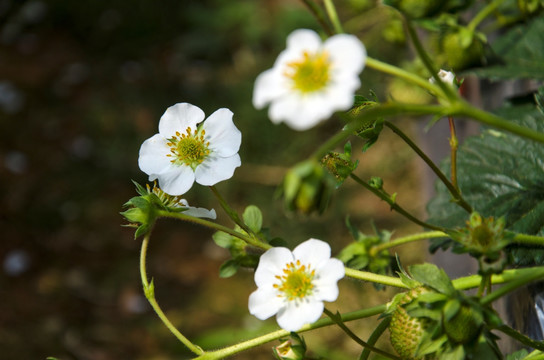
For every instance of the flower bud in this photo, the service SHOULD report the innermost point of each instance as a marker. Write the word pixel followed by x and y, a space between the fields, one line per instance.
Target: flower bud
pixel 292 349
pixel 307 187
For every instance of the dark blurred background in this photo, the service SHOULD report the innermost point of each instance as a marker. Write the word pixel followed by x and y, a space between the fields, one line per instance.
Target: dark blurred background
pixel 82 85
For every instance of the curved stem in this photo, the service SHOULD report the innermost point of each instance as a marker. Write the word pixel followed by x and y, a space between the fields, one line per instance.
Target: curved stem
pixel 333 16
pixel 248 239
pixel 230 211
pixel 406 239
pixel 459 108
pixel 525 340
pixel 338 320
pixel 394 205
pixel 464 109
pixel 452 188
pixel 405 75
pixel 375 278
pixel 149 291
pixel 234 349
pixel 447 89
pixel 378 331
pixel 482 14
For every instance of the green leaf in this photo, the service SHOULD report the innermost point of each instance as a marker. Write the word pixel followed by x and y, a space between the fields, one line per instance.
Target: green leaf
pixel 518 355
pixel 253 218
pixel 223 239
pixel 500 175
pixel 228 268
pixel 433 277
pixel 520 51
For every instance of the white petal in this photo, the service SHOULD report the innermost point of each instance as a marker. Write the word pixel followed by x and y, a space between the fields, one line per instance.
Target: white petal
pixel 271 264
pixel 269 85
pixel 327 276
pixel 264 302
pixel 223 135
pixel 312 252
pixel 303 40
pixel 200 212
pixel 178 118
pixel 152 159
pixel 296 112
pixel 347 53
pixel 293 317
pixel 215 169
pixel 177 181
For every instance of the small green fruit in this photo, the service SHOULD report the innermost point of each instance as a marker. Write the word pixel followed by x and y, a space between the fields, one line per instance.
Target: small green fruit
pixel 461 49
pixel 406 331
pixel 464 326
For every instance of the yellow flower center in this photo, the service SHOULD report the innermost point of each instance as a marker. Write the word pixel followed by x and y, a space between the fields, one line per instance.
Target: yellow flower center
pixel 188 149
pixel 310 73
pixel 296 281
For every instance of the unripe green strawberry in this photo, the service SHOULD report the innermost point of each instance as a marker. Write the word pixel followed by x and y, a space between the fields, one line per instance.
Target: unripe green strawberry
pixel 464 326
pixel 405 330
pixel 461 49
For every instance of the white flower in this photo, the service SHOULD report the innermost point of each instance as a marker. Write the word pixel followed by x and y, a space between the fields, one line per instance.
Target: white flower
pixel 184 151
pixel 310 80
pixel 446 76
pixel 294 285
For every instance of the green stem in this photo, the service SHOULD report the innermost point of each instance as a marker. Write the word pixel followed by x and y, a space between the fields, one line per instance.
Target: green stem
pixel 525 340
pixel 529 239
pixel 394 205
pixel 378 331
pixel 482 14
pixel 333 16
pixel 459 108
pixel 237 348
pixel 319 16
pixel 536 274
pixel 338 320
pixel 375 278
pixel 452 187
pixel 405 75
pixel 149 291
pixel 446 88
pixel 230 211
pixel 464 109
pixel 181 216
pixel 406 239
pixel 454 144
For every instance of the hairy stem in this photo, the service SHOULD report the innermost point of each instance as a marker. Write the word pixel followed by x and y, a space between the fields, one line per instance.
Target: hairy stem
pixel 406 239
pixel 149 291
pixel 454 144
pixel 394 205
pixel 245 345
pixel 338 320
pixel 525 340
pixel 248 239
pixel 378 331
pixel 452 187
